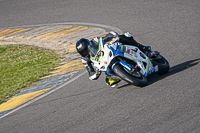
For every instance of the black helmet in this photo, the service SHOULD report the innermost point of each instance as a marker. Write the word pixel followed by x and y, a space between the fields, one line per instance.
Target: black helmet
pixel 82 47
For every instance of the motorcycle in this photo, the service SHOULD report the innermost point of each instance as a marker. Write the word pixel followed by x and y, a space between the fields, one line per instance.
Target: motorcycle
pixel 127 62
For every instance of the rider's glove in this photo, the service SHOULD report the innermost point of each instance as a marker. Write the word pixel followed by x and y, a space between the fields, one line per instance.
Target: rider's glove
pixel 127 34
pixel 93 74
pixel 112 36
pixel 115 36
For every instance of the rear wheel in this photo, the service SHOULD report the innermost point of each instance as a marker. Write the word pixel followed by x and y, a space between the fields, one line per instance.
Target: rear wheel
pixel 134 78
pixel 163 65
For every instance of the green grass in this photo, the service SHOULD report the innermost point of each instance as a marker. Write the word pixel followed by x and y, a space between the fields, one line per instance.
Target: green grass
pixel 22 65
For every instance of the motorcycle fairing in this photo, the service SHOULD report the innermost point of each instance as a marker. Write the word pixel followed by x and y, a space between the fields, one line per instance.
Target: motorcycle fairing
pixel 99 54
pixel 106 53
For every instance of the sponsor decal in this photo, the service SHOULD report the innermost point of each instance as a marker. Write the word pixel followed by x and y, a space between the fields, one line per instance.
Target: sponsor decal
pixel 130 51
pixel 99 56
pixel 156 68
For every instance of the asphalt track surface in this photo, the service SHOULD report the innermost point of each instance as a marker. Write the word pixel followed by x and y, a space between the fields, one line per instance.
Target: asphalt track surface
pixel 169 103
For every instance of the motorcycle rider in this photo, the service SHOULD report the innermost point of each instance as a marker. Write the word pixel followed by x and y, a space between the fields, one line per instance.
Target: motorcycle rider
pixel 82 48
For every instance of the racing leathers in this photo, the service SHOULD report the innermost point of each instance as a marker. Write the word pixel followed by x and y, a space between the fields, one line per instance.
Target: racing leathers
pixel 112 36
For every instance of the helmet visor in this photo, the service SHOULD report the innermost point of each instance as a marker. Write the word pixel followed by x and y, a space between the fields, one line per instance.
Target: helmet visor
pixel 84 52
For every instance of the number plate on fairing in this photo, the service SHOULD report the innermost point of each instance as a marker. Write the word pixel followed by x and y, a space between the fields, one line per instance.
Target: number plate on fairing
pixel 152 70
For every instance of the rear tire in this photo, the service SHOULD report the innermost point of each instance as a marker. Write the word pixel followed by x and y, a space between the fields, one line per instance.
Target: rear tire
pixel 139 80
pixel 163 65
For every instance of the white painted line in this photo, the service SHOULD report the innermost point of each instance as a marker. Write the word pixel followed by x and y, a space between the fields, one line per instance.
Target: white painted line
pixel 90 32
pixel 45 31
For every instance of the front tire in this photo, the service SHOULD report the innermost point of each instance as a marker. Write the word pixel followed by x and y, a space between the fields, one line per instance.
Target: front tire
pixel 138 79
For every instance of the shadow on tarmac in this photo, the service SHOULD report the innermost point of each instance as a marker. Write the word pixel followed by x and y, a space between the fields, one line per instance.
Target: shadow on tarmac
pixel 173 70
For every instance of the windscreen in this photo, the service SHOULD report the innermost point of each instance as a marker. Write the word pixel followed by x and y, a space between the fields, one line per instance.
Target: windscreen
pixel 93 48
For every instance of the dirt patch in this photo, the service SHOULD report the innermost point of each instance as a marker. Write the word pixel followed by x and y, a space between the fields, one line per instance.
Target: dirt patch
pixel 41 43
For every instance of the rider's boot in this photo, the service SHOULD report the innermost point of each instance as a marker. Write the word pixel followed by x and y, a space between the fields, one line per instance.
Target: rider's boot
pixel 128 39
pixel 112 82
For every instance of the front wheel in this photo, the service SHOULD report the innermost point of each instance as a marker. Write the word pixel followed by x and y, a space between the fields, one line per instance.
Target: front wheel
pixel 134 78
